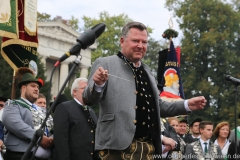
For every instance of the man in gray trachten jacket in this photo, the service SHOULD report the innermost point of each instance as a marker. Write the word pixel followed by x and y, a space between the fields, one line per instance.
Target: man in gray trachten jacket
pixel 128 97
pixel 18 118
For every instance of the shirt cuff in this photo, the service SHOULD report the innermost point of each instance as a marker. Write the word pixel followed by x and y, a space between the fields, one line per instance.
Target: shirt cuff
pixel 99 88
pixel 186 106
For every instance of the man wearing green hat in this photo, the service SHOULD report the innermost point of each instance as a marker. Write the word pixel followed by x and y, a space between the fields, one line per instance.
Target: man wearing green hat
pixel 182 126
pixel 194 128
pixel 21 118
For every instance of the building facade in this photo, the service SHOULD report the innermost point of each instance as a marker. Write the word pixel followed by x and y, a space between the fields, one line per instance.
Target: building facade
pixel 56 38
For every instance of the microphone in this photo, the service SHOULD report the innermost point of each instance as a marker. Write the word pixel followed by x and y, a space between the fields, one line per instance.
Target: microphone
pixel 235 81
pixel 86 39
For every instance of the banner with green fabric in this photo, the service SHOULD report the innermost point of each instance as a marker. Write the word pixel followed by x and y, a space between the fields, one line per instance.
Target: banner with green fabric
pixel 8 19
pixel 22 51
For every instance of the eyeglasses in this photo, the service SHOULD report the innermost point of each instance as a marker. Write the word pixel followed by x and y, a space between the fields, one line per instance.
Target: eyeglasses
pixel 1 105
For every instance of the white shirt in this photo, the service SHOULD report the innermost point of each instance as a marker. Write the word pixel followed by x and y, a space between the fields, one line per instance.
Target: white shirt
pixel 225 147
pixel 203 145
pixel 1 112
pixel 196 137
pixel 78 101
pixel 27 101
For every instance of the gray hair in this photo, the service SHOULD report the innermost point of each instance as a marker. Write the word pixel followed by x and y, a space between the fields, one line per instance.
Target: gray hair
pixel 75 84
pixel 130 25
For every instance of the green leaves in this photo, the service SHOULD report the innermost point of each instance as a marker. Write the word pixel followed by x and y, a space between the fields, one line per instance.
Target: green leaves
pixel 109 40
pixel 169 34
pixel 43 17
pixel 209 50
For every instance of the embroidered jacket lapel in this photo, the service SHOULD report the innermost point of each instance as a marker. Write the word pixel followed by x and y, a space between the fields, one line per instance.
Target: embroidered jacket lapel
pixel 197 148
pixel 212 149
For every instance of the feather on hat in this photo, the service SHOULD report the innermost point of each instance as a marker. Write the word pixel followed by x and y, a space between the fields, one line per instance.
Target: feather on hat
pixel 25 75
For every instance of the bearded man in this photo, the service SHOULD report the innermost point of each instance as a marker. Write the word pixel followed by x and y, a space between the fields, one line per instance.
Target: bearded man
pixel 21 118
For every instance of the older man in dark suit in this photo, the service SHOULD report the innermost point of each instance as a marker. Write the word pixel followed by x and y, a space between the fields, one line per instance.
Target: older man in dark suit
pixel 74 126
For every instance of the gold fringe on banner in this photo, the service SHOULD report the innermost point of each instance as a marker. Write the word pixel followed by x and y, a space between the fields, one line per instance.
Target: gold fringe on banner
pixel 20 42
pixel 29 32
pixel 8 34
pixel 8 60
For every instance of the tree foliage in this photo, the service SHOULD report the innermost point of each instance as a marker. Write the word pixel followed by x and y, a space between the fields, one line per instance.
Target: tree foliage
pixel 6 77
pixel 108 42
pixel 43 17
pixel 210 30
pixel 41 74
pixel 73 22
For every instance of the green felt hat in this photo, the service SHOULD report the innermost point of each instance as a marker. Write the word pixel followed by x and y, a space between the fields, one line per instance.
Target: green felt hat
pixel 25 76
pixel 195 120
pixel 182 119
pixel 4 99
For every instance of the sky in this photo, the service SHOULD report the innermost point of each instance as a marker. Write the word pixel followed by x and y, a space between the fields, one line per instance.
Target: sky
pixel 150 12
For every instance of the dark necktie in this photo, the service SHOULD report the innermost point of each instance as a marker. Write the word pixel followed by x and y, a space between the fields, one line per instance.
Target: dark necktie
pixel 205 148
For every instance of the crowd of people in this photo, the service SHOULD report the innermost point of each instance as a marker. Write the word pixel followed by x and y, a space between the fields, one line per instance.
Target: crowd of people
pixel 133 121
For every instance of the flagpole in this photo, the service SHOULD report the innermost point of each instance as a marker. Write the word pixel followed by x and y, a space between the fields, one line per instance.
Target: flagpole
pixel 13 85
pixel 170 24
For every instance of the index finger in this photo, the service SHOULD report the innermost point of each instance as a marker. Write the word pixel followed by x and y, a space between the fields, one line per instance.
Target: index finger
pixel 101 69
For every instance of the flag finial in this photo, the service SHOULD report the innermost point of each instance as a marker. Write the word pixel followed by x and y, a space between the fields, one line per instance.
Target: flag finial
pixel 170 23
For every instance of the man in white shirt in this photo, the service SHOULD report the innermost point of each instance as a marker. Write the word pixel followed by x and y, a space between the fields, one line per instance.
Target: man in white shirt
pixel 203 148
